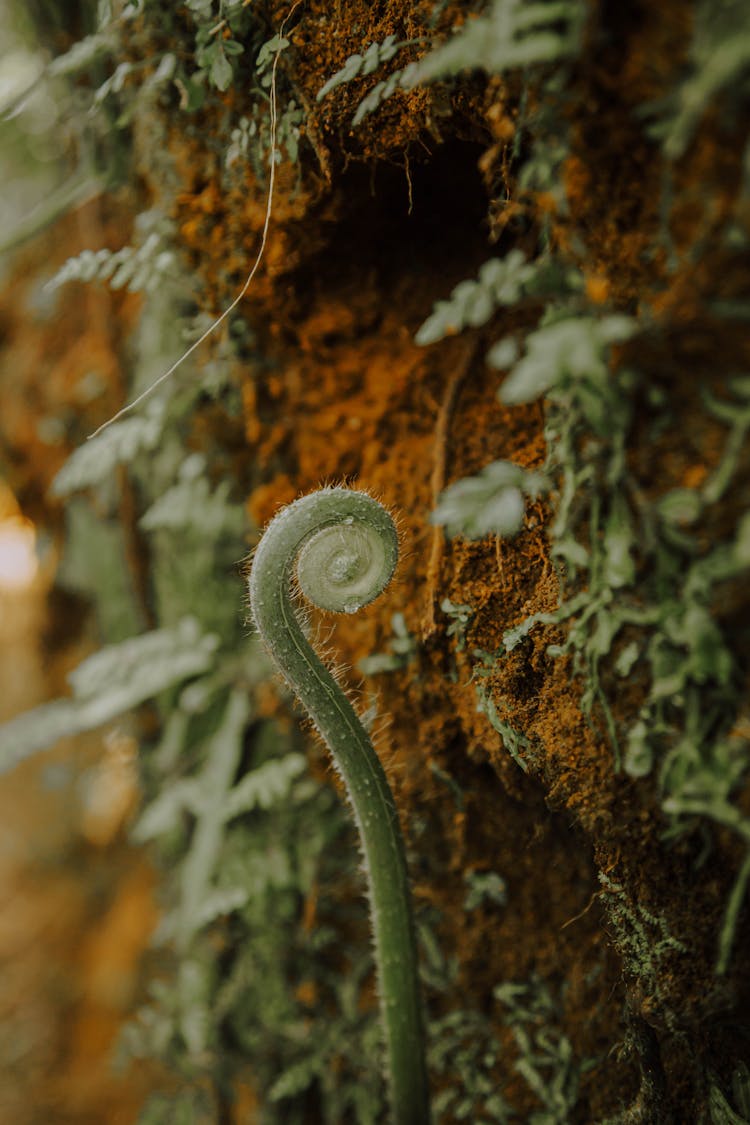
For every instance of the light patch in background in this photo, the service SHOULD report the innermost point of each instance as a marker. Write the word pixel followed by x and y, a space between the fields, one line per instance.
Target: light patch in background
pixel 20 68
pixel 111 789
pixel 19 564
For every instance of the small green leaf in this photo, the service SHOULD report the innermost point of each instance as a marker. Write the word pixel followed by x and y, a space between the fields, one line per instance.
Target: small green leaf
pixel 639 757
pixel 504 353
pixel 351 68
pixel 357 65
pixel 272 47
pixel 220 71
pixel 485 886
pixel 491 503
pixel 627 658
pixel 680 506
pixel 571 349
pixel 619 568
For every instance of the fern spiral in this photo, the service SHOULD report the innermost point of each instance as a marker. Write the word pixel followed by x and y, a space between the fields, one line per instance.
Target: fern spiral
pixel 344 547
pixel 344 566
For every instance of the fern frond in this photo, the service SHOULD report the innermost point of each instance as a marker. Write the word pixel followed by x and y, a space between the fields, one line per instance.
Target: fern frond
pixel 141 667
pixel 514 741
pixel 300 1075
pixel 165 812
pixel 514 34
pixel 191 504
pixel 501 281
pixel 220 902
pixel 223 755
pixel 357 66
pixel 140 269
pixel 113 680
pixel 264 786
pixel 403 79
pixel 84 52
pixel 89 265
pixel 122 442
pixel 255 878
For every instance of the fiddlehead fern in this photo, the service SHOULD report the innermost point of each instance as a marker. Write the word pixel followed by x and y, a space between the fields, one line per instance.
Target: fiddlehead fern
pixel 345 548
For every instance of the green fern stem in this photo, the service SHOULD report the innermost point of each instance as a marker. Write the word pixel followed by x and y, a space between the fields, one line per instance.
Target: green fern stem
pixel 345 548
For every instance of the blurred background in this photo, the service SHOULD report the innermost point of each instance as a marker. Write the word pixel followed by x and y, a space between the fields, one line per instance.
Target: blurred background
pixel 77 900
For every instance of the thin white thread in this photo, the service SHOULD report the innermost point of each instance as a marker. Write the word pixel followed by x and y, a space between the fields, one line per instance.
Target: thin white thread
pixel 219 320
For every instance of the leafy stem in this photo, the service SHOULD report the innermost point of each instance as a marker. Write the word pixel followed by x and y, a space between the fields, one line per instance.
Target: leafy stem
pixel 344 547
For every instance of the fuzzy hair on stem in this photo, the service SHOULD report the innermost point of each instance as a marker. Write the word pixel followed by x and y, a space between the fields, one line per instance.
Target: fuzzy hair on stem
pixel 339 548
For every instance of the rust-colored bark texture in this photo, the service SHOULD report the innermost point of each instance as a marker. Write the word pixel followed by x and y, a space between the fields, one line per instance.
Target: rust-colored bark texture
pixel 503 287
